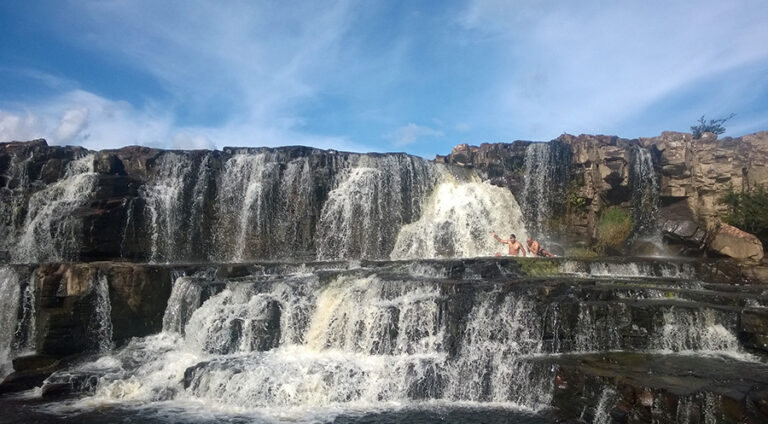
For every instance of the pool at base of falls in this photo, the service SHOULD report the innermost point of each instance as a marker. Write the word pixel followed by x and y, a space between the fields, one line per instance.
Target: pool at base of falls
pixel 42 412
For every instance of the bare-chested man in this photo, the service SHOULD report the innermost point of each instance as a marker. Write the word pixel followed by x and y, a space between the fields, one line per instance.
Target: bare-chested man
pixel 536 250
pixel 514 246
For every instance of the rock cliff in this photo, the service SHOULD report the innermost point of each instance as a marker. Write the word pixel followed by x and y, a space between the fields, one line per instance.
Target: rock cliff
pixel 691 176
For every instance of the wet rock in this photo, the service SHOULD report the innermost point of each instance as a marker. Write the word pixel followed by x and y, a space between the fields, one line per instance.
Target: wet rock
pixel 685 232
pixel 64 384
pixel 29 372
pixel 110 164
pixel 754 329
pixel 265 332
pixel 730 241
pixel 138 296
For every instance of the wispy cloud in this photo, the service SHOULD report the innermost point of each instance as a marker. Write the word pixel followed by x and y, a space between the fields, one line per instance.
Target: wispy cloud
pixel 411 133
pixel 198 74
pixel 591 66
pixel 255 63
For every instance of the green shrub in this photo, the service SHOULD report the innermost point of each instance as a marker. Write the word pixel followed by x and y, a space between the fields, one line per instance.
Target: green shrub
pixel 574 202
pixel 748 210
pixel 714 126
pixel 614 228
pixel 582 252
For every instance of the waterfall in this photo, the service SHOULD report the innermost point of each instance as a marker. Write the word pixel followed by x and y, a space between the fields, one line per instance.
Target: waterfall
pixel 356 341
pixel 372 200
pixel 645 193
pixel 595 334
pixel 247 192
pixel 50 232
pixel 17 317
pixel 174 199
pixel 685 330
pixel 456 222
pixel 604 406
pixel 265 207
pixel 100 324
pixel 492 365
pixel 165 206
pixel 10 294
pixel 186 297
pixel 546 178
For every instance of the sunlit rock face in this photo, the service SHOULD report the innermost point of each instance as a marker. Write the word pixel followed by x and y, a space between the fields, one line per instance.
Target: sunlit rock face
pixel 689 177
pixel 307 285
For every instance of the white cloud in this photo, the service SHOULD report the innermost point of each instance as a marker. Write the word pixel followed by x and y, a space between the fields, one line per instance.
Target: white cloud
pixel 462 127
pixel 257 64
pixel 72 123
pixel 19 127
pixel 83 118
pixel 409 134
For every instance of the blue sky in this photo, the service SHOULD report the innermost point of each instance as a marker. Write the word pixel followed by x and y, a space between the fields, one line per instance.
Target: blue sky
pixel 414 76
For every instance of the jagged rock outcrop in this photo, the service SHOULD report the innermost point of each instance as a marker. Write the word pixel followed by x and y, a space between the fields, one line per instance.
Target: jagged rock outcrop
pixel 140 203
pixel 730 241
pixel 692 175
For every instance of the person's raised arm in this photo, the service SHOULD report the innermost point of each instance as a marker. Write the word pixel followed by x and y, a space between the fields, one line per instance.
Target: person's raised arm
pixel 493 233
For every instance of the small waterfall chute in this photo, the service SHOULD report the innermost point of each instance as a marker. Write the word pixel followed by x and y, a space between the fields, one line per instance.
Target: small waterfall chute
pixel 645 203
pixel 10 295
pixel 100 324
pixel 545 183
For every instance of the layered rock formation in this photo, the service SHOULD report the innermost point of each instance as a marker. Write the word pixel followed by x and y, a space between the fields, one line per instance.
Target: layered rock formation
pixel 138 203
pixel 691 176
pixel 476 330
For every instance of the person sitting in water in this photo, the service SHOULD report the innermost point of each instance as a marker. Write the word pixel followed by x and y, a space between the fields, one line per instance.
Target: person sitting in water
pixel 536 250
pixel 514 246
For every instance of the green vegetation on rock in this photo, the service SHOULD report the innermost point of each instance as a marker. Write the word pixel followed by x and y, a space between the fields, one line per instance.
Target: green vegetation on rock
pixel 748 210
pixel 538 267
pixel 582 252
pixel 614 228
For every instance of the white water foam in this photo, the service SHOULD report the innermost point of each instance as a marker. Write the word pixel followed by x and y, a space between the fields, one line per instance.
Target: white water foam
pixel 697 331
pixel 354 344
pixel 457 220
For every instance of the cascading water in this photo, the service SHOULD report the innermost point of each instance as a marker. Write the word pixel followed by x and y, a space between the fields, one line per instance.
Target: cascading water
pixel 546 179
pixel 695 330
pixel 316 341
pixel 165 204
pixel 17 317
pixel 247 192
pixel 456 222
pixel 307 343
pixel 100 324
pixel 354 342
pixel 10 296
pixel 371 201
pixel 50 232
pixel 175 207
pixel 645 195
pixel 604 404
